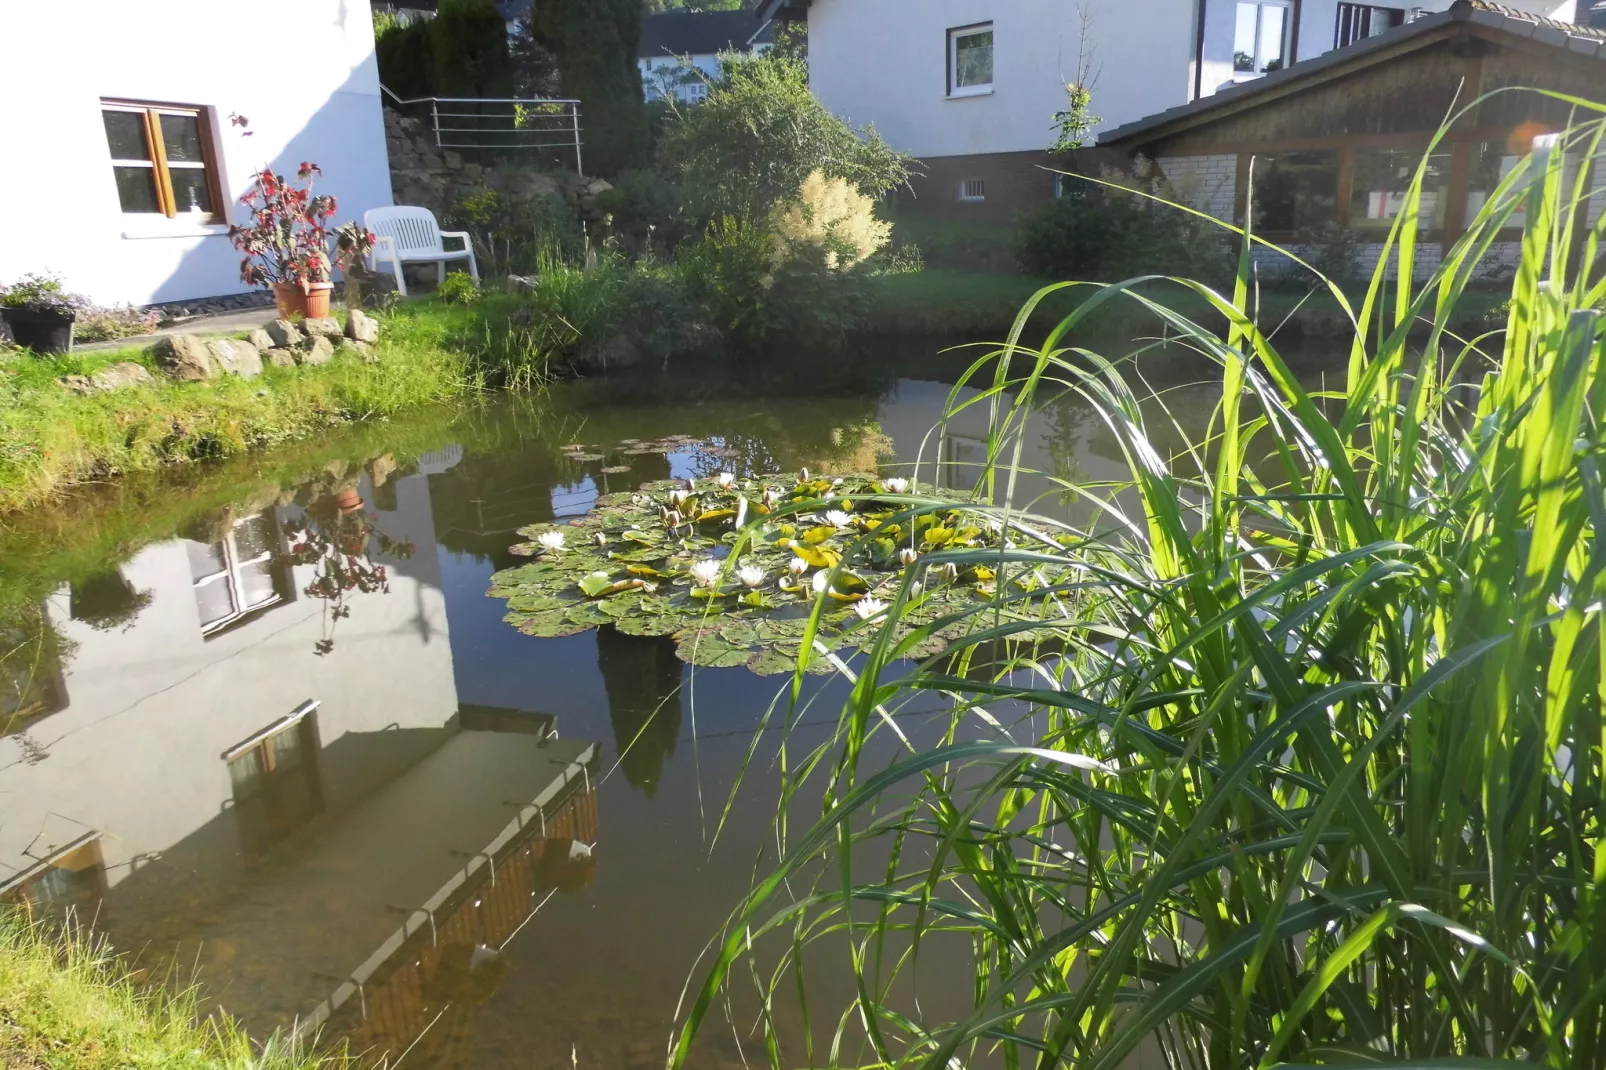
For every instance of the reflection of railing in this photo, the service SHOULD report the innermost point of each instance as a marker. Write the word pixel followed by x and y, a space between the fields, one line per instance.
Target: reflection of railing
pixel 499 124
pixel 381 1005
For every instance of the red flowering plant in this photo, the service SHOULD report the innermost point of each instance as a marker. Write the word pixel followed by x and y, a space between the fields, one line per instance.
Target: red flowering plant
pixel 287 236
pixel 339 543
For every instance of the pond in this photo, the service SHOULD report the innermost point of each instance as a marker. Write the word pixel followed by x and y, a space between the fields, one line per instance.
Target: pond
pixel 262 722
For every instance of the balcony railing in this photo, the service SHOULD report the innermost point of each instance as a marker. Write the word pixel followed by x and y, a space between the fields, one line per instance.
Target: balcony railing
pixel 500 124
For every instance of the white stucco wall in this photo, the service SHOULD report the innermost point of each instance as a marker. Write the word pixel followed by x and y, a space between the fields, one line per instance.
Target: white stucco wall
pixel 664 76
pixel 305 77
pixel 885 62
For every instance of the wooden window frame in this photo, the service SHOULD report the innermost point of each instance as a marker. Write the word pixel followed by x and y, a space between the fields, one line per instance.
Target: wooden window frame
pixel 230 574
pixel 166 202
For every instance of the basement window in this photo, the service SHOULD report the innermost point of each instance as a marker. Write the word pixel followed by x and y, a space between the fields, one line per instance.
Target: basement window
pixel 973 189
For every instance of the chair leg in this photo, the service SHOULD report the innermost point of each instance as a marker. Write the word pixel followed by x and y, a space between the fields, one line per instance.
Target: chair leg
pixel 401 278
pixel 473 265
pixel 440 272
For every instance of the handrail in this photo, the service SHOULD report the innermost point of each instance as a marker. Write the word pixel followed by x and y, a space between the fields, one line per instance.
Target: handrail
pixel 562 117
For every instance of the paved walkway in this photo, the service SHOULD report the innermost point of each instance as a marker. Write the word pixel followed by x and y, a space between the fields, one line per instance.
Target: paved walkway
pixel 221 323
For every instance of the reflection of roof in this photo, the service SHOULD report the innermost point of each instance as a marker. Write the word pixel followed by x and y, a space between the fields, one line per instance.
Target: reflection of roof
pixel 702 33
pixel 1480 14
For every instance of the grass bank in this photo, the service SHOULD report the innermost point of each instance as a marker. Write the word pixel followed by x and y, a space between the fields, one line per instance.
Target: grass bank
pixel 953 303
pixel 52 438
pixel 66 1003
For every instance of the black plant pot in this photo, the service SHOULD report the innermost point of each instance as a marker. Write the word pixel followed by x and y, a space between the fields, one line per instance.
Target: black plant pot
pixel 40 331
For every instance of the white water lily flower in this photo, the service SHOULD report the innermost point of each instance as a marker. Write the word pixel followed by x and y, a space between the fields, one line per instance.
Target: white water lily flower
pixel 869 607
pixel 706 572
pixel 797 566
pixel 672 518
pixel 741 511
pixel 837 518
pixel 822 581
pixel 750 575
pixel 916 588
pixel 551 541
pixel 907 556
pixel 650 588
pixel 727 480
pixel 677 497
pixel 803 475
pixel 897 485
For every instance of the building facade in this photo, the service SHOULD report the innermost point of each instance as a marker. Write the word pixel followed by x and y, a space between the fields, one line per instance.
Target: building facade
pixel 679 51
pixel 971 87
pixel 136 167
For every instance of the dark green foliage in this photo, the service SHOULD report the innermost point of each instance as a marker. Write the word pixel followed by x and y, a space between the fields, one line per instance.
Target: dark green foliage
pixel 470 50
pixel 459 288
pixel 1109 234
pixel 513 231
pixel 406 55
pixel 733 275
pixel 595 42
pixel 760 133
pixel 645 209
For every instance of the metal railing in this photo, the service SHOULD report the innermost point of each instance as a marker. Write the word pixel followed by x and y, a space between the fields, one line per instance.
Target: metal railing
pixel 500 124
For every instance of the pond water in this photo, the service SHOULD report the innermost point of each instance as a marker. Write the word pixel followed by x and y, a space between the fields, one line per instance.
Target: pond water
pixel 261 722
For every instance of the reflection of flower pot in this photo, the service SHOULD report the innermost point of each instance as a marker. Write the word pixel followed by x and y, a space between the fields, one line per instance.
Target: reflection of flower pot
pixel 317 299
pixel 291 299
pixel 349 501
pixel 41 330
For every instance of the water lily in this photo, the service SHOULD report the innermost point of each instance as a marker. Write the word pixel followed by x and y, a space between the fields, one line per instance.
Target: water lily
pixel 602 538
pixel 797 566
pixel 677 497
pixel 822 581
pixel 916 589
pixel 869 607
pixel 727 480
pixel 741 511
pixel 750 575
pixel 907 556
pixel 706 572
pixel 897 485
pixel 803 475
pixel 551 541
pixel 672 518
pixel 770 497
pixel 837 518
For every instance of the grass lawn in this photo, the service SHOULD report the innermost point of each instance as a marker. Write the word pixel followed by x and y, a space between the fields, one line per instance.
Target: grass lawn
pixel 973 304
pixel 68 1005
pixel 51 437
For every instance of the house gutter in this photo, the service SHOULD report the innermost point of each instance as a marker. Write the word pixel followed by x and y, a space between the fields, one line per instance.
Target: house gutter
pixel 1198 47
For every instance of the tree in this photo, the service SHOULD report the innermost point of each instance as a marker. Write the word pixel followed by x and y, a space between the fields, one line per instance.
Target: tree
pixel 470 50
pixel 595 44
pixel 761 132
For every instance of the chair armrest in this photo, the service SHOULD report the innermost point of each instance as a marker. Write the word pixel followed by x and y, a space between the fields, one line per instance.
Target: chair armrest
pixel 468 242
pixel 383 244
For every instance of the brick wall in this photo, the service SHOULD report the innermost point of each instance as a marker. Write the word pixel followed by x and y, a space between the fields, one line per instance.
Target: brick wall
pixel 1014 182
pixel 1208 183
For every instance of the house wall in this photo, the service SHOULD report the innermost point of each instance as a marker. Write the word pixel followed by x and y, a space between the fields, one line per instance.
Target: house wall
pixel 306 79
pixel 884 62
pixel 673 76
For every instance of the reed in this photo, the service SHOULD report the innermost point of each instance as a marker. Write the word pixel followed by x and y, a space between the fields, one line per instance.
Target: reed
pixel 1293 753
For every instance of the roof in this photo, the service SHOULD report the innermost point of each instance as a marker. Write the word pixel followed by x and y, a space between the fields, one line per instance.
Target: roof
pixel 702 33
pixel 788 10
pixel 1480 14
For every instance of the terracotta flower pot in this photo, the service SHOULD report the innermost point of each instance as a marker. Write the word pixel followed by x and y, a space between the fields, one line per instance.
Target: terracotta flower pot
pixel 291 299
pixel 348 500
pixel 317 299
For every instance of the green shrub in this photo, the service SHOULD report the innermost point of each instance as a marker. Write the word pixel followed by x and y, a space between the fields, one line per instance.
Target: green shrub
pixel 645 208
pixel 1111 234
pixel 760 133
pixel 513 231
pixel 595 42
pixel 405 52
pixel 459 288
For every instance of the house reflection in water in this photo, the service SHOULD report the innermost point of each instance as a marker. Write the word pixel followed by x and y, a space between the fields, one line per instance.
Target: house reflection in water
pixel 207 776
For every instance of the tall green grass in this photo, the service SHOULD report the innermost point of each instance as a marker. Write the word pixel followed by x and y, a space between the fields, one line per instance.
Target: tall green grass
pixel 1291 754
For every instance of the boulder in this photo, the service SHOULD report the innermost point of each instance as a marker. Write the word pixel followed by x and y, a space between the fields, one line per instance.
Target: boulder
pixel 519 284
pixel 453 159
pixel 280 357
pixel 361 327
pixel 184 357
pixel 328 327
pixel 261 339
pixel 116 377
pixel 319 351
pixel 617 352
pixel 284 333
pixel 365 350
pixel 381 468
pixel 236 357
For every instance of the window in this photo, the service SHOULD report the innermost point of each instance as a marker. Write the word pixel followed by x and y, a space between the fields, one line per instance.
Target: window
pixel 973 189
pixel 162 159
pixel 1382 179
pixel 75 877
pixel 1295 191
pixel 1261 38
pixel 970 60
pixel 1357 22
pixel 239 574
pixel 275 779
pixel 695 93
pixel 1071 187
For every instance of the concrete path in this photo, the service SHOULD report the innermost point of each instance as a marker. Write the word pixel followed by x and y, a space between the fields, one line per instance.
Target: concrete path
pixel 221 323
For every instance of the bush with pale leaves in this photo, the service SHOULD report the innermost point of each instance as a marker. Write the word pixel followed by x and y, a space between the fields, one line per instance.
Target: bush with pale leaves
pixel 829 213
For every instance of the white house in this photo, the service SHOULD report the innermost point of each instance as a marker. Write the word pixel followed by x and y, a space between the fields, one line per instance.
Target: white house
pixel 971 87
pixel 679 52
pixel 135 167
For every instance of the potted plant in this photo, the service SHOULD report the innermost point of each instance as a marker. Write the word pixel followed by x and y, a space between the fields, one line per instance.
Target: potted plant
pixel 286 240
pixel 40 313
pixel 353 243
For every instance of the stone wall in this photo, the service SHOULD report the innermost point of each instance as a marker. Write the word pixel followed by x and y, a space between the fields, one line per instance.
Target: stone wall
pixel 1208 183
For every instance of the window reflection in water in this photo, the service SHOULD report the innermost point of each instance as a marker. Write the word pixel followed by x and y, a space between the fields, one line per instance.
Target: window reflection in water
pixel 276 785
pixel 239 574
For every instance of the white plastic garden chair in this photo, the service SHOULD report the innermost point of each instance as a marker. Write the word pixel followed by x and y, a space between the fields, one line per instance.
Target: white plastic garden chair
pixel 409 235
